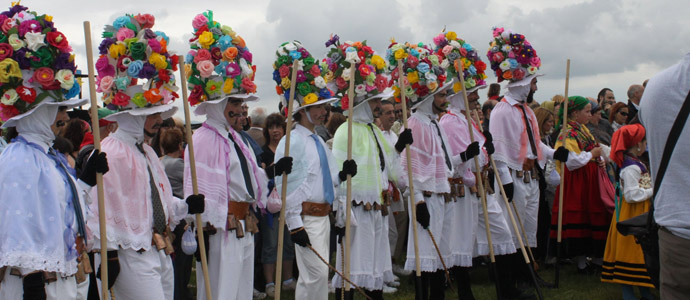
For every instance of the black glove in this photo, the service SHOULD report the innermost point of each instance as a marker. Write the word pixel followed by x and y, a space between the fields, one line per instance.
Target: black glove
pixel 423 215
pixel 339 234
pixel 195 204
pixel 489 143
pixel 509 189
pixel 561 154
pixel 349 168
pixel 472 151
pixel 34 286
pixel 283 165
pixel 405 138
pixel 97 163
pixel 300 237
pixel 113 268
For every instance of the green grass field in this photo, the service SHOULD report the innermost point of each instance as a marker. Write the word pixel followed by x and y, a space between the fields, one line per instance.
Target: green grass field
pixel 573 286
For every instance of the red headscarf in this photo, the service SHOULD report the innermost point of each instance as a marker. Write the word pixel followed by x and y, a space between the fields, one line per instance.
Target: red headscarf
pixel 623 139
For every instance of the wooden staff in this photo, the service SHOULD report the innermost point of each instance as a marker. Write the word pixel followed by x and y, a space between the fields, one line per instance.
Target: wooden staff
pixel 195 186
pixel 560 188
pixel 480 181
pixel 283 188
pixel 97 146
pixel 410 187
pixel 348 199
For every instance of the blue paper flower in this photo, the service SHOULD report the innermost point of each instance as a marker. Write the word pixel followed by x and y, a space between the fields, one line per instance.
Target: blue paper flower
pixel 134 68
pixel 423 67
pixel 121 22
pixel 74 91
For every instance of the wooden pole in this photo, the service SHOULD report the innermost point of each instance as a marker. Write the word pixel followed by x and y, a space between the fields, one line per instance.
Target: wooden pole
pixel 97 146
pixel 359 289
pixel 283 189
pixel 195 186
pixel 348 199
pixel 560 188
pixel 478 175
pixel 410 187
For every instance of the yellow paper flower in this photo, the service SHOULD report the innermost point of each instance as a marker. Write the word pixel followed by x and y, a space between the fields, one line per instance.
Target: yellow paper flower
pixel 285 82
pixel 48 18
pixel 206 39
pixel 432 85
pixel 396 91
pixel 466 63
pixel 457 87
pixel 310 98
pixel 188 70
pixel 228 85
pixel 9 68
pixel 158 61
pixel 400 54
pixel 117 49
pixel 378 62
pixel 413 77
pixel 451 35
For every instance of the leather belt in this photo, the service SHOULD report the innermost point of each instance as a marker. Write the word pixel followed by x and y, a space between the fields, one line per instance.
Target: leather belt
pixel 367 206
pixel 315 209
pixel 239 211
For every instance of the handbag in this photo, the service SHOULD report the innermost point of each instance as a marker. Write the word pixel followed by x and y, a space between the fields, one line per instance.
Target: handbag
pixel 606 190
pixel 643 227
pixel 274 203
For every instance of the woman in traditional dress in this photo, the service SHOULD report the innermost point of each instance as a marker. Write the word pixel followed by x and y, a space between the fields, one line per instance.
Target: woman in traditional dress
pixel 585 219
pixel 623 258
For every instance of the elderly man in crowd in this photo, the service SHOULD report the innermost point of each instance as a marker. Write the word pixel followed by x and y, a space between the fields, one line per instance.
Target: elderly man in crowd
pixel 634 95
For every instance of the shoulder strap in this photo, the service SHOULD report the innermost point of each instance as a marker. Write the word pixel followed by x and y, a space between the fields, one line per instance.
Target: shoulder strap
pixel 671 142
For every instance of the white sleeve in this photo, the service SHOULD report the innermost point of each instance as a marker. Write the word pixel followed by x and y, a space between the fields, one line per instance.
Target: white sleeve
pixel 504 172
pixel 578 160
pixel 606 152
pixel 632 191
pixel 546 150
pixel 177 211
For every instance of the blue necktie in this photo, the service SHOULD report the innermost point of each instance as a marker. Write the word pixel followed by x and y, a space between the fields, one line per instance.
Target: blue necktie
pixel 325 171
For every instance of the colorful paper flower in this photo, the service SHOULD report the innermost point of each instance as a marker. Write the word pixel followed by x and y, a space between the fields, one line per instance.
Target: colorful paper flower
pixel 456 55
pixel 511 56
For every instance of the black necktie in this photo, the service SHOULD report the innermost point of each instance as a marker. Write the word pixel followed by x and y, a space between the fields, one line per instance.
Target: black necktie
pixel 245 167
pixel 381 159
pixel 443 145
pixel 158 213
pixel 532 144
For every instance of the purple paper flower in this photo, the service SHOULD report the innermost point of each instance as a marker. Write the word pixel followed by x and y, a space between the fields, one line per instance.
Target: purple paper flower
pixel 62 61
pixel 247 56
pixel 233 69
pixel 333 40
pixel 148 71
pixel 300 76
pixel 29 26
pixel 304 52
pixel 105 45
pixel 149 34
pixel 20 56
pixel 14 10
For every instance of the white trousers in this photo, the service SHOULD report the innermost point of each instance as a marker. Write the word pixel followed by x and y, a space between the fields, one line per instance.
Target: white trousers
pixel 370 260
pixel 460 229
pixel 526 199
pixel 145 275
pixel 230 267
pixel 501 235
pixel 312 283
pixel 12 288
pixel 429 258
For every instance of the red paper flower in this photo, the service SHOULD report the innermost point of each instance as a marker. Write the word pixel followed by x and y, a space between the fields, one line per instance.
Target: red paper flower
pixel 27 94
pixel 163 75
pixel 145 20
pixel 5 51
pixel 58 40
pixel 121 99
pixel 345 102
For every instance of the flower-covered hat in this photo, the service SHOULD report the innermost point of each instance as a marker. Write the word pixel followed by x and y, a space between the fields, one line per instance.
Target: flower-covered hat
pixel 370 78
pixel 456 54
pixel 310 87
pixel 36 65
pixel 423 74
pixel 218 65
pixel 512 57
pixel 135 69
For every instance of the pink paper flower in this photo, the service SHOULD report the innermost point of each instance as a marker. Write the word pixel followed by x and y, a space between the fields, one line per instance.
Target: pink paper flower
pixel 124 33
pixel 202 55
pixel 199 21
pixel 105 84
pixel 205 68
pixel 447 49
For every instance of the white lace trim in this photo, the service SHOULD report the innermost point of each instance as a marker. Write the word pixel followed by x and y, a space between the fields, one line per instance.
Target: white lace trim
pixel 40 260
pixel 365 281
pixel 461 260
pixel 425 263
pixel 499 249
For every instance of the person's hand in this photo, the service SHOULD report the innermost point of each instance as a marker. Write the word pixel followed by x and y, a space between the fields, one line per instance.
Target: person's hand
pixel 195 204
pixel 300 237
pixel 404 139
pixel 349 168
pixel 489 143
pixel 423 215
pixel 97 163
pixel 34 286
pixel 283 165
pixel 596 152
pixel 561 154
pixel 601 162
pixel 472 151
pixel 113 268
pixel 339 234
pixel 510 190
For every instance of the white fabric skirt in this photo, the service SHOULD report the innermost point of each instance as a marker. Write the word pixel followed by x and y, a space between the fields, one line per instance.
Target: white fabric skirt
pixel 428 256
pixel 460 229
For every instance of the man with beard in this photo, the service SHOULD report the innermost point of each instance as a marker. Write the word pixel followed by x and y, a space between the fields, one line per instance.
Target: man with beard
pixel 519 154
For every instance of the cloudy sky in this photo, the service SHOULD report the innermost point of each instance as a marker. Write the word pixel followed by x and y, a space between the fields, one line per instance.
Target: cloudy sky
pixel 611 43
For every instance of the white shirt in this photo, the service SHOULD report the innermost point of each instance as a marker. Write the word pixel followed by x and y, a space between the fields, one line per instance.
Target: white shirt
pixel 659 106
pixel 305 182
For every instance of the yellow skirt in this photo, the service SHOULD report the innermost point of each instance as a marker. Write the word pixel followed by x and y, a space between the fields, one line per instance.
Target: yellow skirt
pixel 623 257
